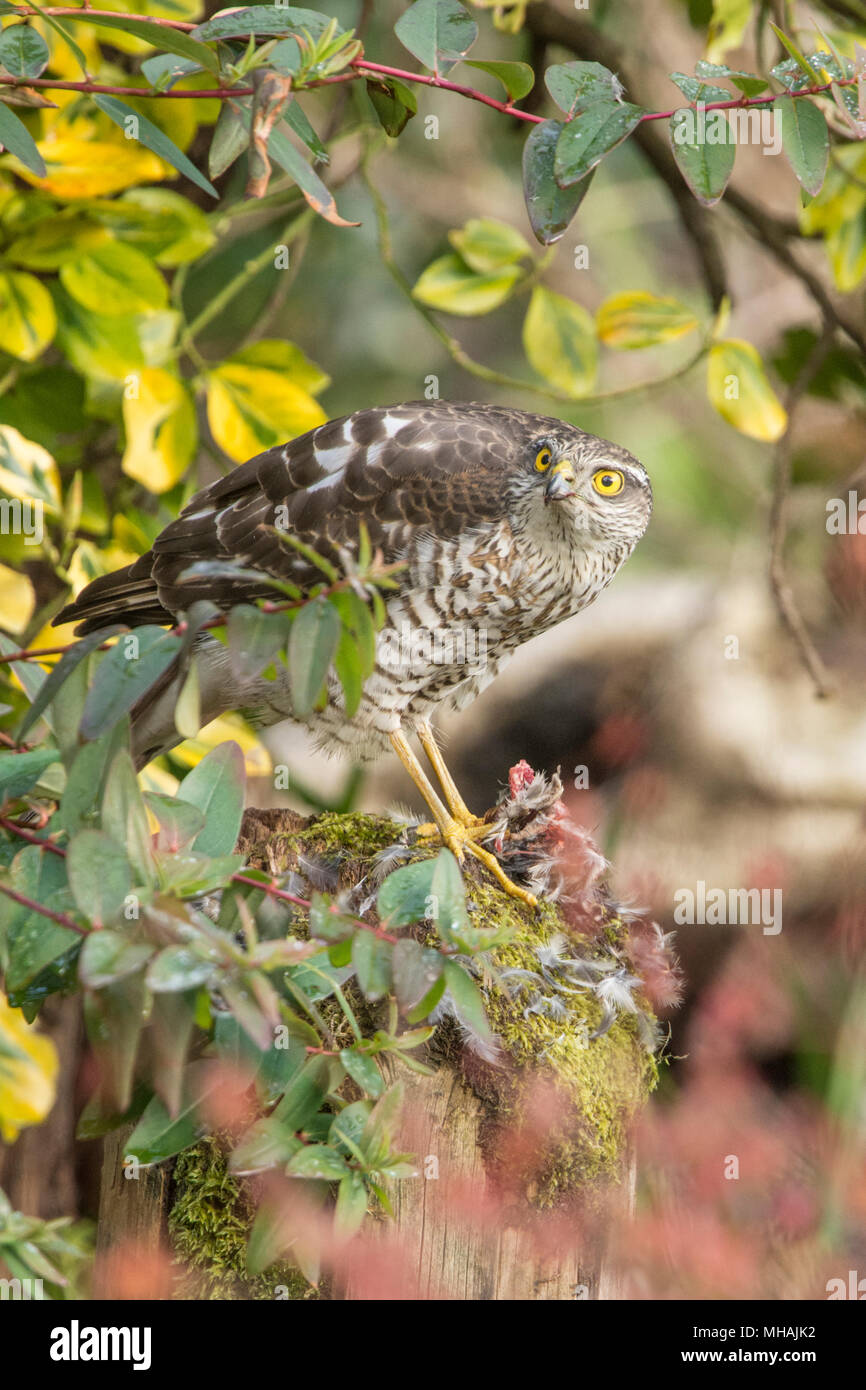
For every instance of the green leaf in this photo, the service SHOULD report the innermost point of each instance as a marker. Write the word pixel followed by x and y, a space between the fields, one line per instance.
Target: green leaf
pixel 394 103
pixel 60 673
pixel 99 875
pixel 86 777
pixel 518 79
pixel 255 639
pixel 448 893
pixel 312 647
pixel 16 138
pixel 179 821
pixel 693 89
pixel 737 386
pixel 305 1095
pixel 317 1161
pixel 114 279
pixel 586 140
pixel 449 285
pixel 178 968
pixel 114 1017
pixel 159 36
pixel 158 1135
pixel 108 956
pixel 363 1070
pixel 351 1205
pixel 319 197
pixel 230 139
pixel 417 970
pixel 264 1145
pixel 404 897
pixel 704 151
pixel 575 86
pixel 379 1129
pixel 799 58
pixel 486 244
pixel 437 32
pixel 217 787
pixel 560 343
pixel 264 19
pixel 21 771
pixel 295 117
pixel 467 1001
pixel 41 956
pixel 151 137
pixel 550 208
pixel 750 86
pixel 129 669
pixel 637 319
pixel 23 51
pixel 805 140
pixel 371 957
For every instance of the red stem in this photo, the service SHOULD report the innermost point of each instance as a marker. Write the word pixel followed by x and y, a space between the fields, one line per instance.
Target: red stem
pixel 59 917
pixel 15 829
pixel 361 66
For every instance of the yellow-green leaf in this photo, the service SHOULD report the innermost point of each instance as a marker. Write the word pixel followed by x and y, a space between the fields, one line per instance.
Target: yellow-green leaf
pixel 114 279
pixel 28 1073
pixel 19 599
pixel 486 244
pixel 560 343
pixel 54 240
pixel 738 387
pixel 159 421
pixel 27 471
pixel 27 318
pixel 281 356
pixel 251 408
pixel 638 319
pixel 449 284
pixel 78 168
pixel 727 27
pixel 101 346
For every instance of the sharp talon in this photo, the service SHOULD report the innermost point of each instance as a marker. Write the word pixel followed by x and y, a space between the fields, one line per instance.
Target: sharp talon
pixel 460 839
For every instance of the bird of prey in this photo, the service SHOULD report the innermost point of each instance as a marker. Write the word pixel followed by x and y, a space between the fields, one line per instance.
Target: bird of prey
pixel 504 522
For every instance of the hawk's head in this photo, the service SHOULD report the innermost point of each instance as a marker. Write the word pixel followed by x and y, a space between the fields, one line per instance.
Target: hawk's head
pixel 598 487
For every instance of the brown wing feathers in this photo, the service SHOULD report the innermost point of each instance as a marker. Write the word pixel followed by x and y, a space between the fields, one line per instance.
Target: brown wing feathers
pixel 424 466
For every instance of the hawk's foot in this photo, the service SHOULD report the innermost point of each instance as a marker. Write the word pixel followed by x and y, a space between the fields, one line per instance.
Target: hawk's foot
pixel 461 840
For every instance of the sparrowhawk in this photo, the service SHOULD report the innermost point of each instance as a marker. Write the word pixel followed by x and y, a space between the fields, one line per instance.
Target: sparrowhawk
pixel 505 523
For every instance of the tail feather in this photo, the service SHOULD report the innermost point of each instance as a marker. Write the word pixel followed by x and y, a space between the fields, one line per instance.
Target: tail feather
pixel 127 596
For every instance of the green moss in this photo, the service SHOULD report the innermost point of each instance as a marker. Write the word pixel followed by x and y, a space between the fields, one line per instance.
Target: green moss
pixel 602 1082
pixel 209 1224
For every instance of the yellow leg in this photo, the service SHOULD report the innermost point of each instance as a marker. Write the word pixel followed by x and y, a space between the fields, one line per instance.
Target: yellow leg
pixel 456 805
pixel 454 834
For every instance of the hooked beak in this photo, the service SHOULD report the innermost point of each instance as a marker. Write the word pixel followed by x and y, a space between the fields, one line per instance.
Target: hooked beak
pixel 560 483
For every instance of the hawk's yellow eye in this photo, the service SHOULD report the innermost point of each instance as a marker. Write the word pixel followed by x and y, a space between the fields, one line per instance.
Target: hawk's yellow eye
pixel 542 460
pixel 608 481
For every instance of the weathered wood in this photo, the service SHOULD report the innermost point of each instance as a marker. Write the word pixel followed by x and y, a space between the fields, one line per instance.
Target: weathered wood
pixel 457 1258
pixel 133 1204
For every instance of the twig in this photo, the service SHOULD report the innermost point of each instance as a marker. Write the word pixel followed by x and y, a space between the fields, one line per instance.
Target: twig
pixel 59 917
pixel 781 589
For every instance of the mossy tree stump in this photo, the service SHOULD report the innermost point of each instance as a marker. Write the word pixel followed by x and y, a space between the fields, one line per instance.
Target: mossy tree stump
pixel 539 1129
